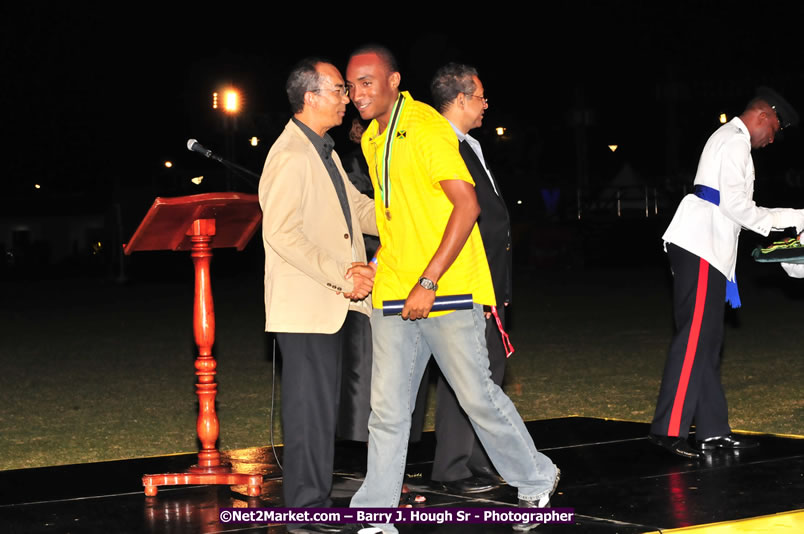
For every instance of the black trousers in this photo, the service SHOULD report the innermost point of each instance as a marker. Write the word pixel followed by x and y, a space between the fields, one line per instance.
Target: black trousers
pixel 458 452
pixel 311 383
pixel 355 405
pixel 691 389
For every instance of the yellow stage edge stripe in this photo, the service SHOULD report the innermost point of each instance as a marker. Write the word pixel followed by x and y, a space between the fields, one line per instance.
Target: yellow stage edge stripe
pixel 792 521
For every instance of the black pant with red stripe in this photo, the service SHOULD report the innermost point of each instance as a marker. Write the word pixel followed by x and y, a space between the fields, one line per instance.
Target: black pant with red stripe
pixel 691 388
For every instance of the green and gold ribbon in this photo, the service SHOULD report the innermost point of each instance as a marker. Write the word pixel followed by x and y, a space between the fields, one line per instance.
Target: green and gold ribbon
pixel 384 172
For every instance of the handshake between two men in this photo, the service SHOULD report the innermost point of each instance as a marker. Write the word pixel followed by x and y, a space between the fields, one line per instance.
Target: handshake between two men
pixel 362 276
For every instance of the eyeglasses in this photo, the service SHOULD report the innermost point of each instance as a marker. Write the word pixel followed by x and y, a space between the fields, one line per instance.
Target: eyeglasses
pixel 483 98
pixel 340 90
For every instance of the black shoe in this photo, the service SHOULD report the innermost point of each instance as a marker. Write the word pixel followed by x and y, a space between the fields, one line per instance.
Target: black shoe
pixel 675 444
pixel 469 485
pixel 487 472
pixel 729 441
pixel 541 502
pixel 327 528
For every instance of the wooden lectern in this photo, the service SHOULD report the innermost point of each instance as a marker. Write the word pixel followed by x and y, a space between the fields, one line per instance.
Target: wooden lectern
pixel 200 223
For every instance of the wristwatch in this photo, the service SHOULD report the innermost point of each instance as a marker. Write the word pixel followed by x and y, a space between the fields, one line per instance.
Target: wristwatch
pixel 426 283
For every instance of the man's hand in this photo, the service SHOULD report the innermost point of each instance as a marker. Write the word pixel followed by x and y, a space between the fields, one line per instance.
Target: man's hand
pixel 362 276
pixel 418 303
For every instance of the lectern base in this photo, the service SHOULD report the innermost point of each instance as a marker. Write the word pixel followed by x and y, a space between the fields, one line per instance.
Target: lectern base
pixel 253 482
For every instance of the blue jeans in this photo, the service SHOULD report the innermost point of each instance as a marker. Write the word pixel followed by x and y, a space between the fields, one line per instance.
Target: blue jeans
pixel 457 341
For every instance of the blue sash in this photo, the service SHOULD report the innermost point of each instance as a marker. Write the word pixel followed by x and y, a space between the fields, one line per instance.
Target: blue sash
pixel 713 196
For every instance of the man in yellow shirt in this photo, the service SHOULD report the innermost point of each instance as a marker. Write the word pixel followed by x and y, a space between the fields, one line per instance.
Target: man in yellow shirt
pixel 426 210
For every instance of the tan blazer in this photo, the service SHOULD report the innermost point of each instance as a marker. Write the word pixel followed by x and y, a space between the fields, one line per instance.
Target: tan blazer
pixel 307 243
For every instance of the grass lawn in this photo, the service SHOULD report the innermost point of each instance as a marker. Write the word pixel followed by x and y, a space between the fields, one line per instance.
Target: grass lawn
pixel 96 371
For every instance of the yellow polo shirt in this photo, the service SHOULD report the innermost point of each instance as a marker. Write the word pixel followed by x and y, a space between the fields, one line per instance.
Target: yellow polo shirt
pixel 425 152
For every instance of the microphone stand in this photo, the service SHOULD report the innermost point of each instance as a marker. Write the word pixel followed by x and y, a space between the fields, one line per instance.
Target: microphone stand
pixel 239 171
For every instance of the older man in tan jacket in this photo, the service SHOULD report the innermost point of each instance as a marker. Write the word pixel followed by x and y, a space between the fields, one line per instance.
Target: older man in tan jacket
pixel 316 276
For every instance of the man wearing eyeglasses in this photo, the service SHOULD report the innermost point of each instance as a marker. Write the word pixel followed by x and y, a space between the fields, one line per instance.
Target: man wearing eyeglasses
pixel 426 210
pixel 460 464
pixel 701 243
pixel 316 277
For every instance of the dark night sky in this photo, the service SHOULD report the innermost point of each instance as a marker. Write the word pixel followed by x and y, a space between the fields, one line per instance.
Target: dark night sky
pixel 99 93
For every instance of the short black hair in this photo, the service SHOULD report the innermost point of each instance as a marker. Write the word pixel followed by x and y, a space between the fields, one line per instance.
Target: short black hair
pixel 303 77
pixel 382 52
pixel 757 102
pixel 449 81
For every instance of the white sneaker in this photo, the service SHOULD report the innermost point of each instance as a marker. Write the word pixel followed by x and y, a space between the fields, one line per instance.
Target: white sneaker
pixel 542 502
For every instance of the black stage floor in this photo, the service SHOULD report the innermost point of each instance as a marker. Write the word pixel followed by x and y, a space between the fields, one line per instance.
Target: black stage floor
pixel 614 479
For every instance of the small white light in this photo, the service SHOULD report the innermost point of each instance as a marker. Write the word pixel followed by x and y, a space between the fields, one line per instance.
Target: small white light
pixel 519 202
pixel 613 148
pixel 37 186
pixel 168 164
pixel 723 119
pixel 500 130
pixel 254 141
pixel 197 180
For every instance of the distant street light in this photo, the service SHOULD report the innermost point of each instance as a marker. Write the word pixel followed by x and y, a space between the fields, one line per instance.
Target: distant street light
pixel 254 141
pixel 168 164
pixel 613 148
pixel 231 101
pixel 500 131
pixel 723 119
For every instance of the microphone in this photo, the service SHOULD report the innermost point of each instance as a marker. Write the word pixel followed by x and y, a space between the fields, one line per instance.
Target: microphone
pixel 194 146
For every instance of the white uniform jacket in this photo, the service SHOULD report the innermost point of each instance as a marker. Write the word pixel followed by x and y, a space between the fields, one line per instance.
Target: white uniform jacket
pixel 711 232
